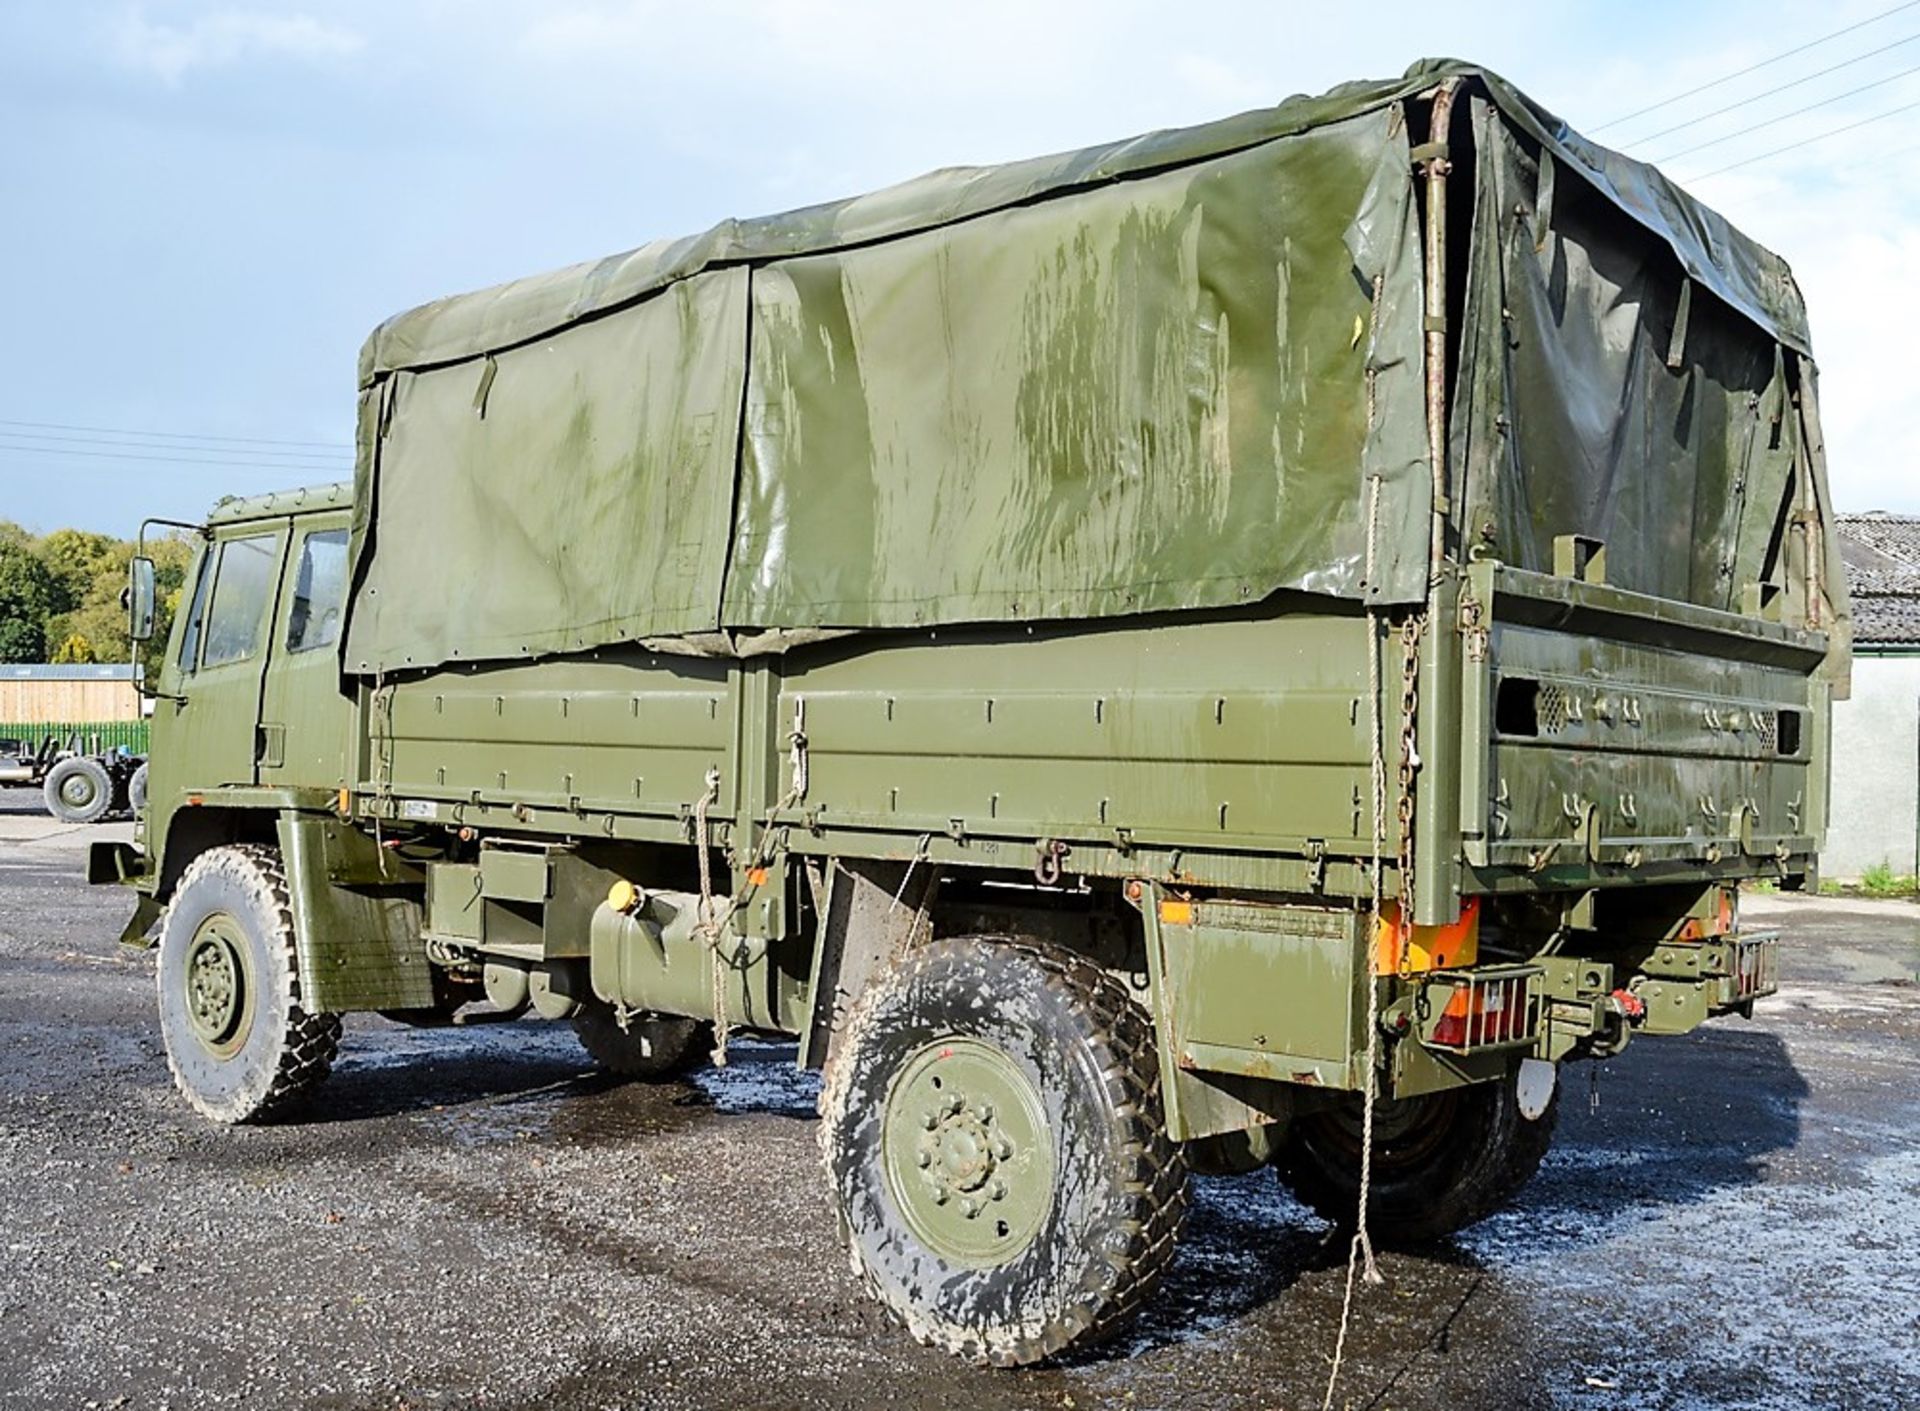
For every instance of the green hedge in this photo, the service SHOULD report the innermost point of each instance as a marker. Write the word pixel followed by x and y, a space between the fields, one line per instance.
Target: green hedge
pixel 94 735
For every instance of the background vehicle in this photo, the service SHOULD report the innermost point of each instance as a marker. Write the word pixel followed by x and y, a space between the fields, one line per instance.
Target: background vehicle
pixel 80 786
pixel 1123 655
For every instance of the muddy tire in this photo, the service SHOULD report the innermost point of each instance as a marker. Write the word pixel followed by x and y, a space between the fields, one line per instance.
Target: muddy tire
pixel 137 789
pixel 78 790
pixel 996 1148
pixel 650 1048
pixel 239 1043
pixel 1440 1162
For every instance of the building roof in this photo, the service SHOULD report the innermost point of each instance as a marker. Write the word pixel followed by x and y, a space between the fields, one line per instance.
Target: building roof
pixel 41 671
pixel 1882 555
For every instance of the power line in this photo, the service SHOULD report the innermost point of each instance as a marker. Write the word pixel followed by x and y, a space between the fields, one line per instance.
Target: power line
pixel 1754 68
pixel 1806 141
pixel 1778 88
pixel 190 435
pixel 176 460
pixel 313 458
pixel 1797 112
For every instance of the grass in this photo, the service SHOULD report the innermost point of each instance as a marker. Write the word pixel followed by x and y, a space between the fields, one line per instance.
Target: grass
pixel 1879 882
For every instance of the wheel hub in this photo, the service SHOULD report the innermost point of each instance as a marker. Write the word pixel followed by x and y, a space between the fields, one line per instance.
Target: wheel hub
pixel 968 1153
pixel 76 791
pixel 218 993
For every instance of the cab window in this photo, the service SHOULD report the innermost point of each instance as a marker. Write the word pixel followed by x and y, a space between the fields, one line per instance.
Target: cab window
pixel 319 588
pixel 242 585
pixel 196 613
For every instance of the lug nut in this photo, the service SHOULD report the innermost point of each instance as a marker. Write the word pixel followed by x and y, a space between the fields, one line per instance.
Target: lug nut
pixel 1003 1149
pixel 998 1190
pixel 971 1207
pixel 984 1112
pixel 930 1120
pixel 925 1159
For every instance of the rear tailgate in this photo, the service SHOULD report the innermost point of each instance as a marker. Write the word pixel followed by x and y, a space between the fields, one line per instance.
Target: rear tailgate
pixel 1612 738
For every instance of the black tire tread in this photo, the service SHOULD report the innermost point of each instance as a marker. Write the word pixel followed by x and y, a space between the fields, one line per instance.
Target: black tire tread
pixel 1487 1188
pixel 1107 1014
pixel 675 1043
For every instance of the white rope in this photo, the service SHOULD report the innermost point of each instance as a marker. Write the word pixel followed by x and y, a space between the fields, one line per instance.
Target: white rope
pixel 1360 1252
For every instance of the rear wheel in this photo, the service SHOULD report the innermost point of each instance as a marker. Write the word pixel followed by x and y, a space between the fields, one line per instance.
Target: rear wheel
pixel 994 1138
pixel 78 790
pixel 1440 1162
pixel 648 1047
pixel 238 1040
pixel 137 789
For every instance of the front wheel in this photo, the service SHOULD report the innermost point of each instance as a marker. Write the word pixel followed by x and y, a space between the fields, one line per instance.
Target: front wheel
pixel 238 1039
pixel 1441 1161
pixel 993 1133
pixel 78 790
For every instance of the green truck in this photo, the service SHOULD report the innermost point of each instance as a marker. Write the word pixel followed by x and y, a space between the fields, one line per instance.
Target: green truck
pixel 1161 658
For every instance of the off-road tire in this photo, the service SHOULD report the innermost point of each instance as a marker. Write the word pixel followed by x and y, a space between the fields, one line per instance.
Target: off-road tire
pixel 652 1046
pixel 1468 1157
pixel 284 1050
pixel 1107 1230
pixel 137 789
pixel 79 775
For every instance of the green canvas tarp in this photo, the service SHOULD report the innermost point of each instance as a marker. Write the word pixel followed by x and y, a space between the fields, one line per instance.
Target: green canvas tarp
pixel 1158 375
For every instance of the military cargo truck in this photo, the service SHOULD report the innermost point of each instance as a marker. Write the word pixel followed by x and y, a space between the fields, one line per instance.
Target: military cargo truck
pixel 1166 657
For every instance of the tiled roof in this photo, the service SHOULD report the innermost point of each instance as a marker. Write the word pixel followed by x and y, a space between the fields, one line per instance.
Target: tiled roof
pixel 1882 555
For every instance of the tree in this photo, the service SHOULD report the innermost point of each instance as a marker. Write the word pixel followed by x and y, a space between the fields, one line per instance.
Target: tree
pixel 73 650
pixel 76 559
pixel 28 597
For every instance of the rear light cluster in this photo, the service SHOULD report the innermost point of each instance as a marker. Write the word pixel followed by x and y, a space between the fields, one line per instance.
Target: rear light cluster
pixel 1754 961
pixel 1471 1010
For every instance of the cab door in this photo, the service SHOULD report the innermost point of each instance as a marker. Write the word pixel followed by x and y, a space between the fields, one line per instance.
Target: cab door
pixel 206 733
pixel 305 723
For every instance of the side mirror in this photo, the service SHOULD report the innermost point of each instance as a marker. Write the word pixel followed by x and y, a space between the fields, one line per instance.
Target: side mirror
pixel 140 596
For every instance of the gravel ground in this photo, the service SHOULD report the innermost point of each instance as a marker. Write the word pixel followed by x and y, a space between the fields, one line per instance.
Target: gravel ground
pixel 473 1218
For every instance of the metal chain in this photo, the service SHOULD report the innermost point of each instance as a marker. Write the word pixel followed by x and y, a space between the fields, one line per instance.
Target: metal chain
pixel 708 926
pixel 712 925
pixel 1410 632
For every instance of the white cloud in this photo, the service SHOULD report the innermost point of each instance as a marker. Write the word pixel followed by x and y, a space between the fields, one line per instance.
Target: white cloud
pixel 222 38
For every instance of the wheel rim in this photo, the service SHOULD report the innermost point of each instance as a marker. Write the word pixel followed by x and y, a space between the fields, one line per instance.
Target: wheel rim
pixel 219 986
pixel 77 791
pixel 968 1154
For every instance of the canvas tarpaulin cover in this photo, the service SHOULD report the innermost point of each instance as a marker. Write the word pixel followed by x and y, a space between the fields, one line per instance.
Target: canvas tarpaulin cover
pixel 1157 375
pixel 1604 393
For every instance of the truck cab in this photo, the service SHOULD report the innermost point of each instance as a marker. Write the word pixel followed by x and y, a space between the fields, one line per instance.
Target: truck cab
pixel 248 707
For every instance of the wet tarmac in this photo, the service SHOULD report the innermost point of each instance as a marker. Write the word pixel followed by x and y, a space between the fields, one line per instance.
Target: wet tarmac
pixel 474 1218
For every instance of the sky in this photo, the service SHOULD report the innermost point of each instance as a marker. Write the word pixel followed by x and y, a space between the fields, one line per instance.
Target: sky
pixel 207 207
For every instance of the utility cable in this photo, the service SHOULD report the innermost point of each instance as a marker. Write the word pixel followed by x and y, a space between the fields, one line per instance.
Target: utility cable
pixel 53 440
pixel 189 435
pixel 1785 117
pixel 1806 142
pixel 1778 88
pixel 1754 68
pixel 176 460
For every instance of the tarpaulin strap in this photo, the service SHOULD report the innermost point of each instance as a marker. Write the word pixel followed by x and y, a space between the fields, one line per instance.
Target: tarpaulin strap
pixel 487 375
pixel 1427 152
pixel 1677 349
pixel 1543 203
pixel 389 394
